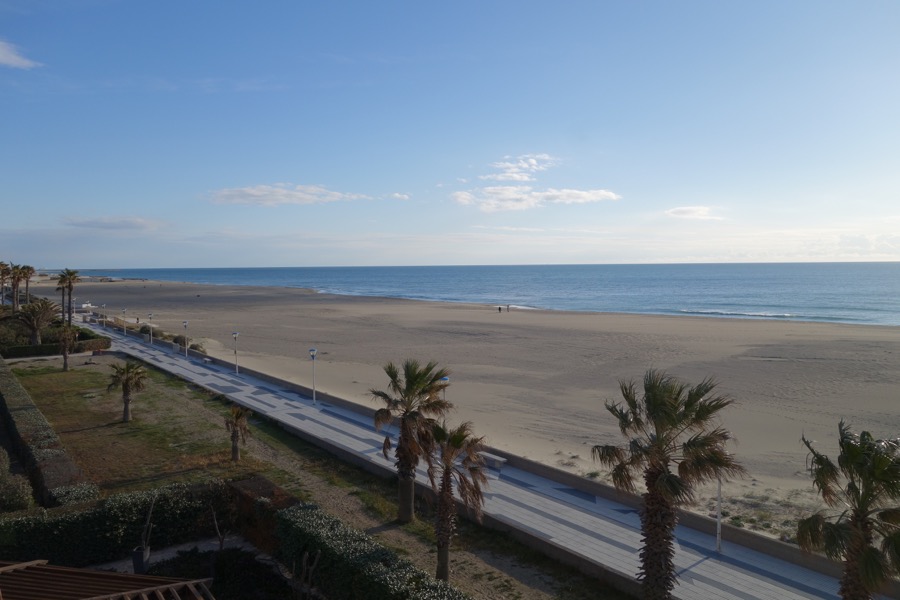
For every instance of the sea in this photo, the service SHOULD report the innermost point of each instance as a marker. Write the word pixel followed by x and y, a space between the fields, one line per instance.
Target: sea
pixel 858 293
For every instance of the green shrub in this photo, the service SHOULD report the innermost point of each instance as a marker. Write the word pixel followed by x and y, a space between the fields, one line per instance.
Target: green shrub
pixel 75 494
pixel 15 493
pixel 108 529
pixel 352 564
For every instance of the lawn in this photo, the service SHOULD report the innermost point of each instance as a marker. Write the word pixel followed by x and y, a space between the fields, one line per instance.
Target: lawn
pixel 172 437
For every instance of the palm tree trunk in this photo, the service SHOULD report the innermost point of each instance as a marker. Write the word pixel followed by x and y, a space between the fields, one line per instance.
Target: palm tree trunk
pixel 65 353
pixel 444 526
pixel 62 307
pixel 658 520
pixel 852 585
pixel 235 448
pixel 126 410
pixel 443 562
pixel 407 499
pixel 71 305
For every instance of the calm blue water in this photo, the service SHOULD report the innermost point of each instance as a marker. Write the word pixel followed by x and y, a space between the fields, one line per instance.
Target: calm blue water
pixel 866 293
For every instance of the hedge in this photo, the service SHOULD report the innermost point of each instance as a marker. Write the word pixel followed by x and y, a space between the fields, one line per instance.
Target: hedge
pixel 46 462
pixel 88 345
pixel 110 528
pixel 352 564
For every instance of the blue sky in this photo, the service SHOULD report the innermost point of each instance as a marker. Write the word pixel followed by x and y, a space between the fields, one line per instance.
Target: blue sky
pixel 284 133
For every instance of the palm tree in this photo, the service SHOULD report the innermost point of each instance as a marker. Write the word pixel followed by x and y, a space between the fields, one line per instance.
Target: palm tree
pixel 131 377
pixel 15 278
pixel 67 280
pixel 4 277
pixel 237 422
pixel 668 426
pixel 414 398
pixel 67 338
pixel 27 273
pixel 36 316
pixel 458 462
pixel 865 486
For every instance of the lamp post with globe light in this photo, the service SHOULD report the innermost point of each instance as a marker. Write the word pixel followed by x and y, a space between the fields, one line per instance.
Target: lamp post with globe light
pixel 150 325
pixel 125 333
pixel 185 323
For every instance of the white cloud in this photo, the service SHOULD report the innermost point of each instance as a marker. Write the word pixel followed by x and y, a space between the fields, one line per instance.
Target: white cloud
pixel 519 195
pixel 399 196
pixel 114 223
pixel 520 168
pixel 10 57
pixel 523 197
pixel 281 193
pixel 693 212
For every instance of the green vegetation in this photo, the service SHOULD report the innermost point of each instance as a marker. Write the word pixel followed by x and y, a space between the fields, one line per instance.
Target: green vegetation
pixel 865 486
pixel 673 447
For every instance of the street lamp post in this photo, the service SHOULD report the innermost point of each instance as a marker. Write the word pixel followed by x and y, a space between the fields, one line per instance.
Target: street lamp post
pixel 446 381
pixel 235 334
pixel 185 323
pixel 150 325
pixel 103 314
pixel 125 333
pixel 312 355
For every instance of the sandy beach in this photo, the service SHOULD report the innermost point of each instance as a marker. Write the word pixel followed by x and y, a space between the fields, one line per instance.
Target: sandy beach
pixel 535 382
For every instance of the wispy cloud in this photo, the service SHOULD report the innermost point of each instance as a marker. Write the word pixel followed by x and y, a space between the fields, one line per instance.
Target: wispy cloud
pixel 114 223
pixel 520 168
pixel 10 57
pixel 523 197
pixel 281 193
pixel 693 212
pixel 398 196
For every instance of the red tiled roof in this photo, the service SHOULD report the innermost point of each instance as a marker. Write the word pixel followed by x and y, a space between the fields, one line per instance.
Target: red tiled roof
pixel 36 580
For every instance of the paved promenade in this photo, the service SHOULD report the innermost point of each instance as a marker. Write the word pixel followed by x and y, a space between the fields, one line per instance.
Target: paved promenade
pixel 591 527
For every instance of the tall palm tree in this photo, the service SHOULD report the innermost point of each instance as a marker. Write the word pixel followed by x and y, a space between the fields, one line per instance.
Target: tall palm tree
pixel 4 277
pixel 414 398
pixel 15 278
pixel 457 462
pixel 669 427
pixel 865 486
pixel 131 377
pixel 67 279
pixel 237 422
pixel 27 273
pixel 36 316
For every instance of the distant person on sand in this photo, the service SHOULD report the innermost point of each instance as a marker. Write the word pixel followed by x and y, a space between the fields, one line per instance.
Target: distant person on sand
pixel 500 309
pixel 507 308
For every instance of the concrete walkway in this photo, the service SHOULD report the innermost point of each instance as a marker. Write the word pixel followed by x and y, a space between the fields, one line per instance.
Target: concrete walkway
pixel 592 528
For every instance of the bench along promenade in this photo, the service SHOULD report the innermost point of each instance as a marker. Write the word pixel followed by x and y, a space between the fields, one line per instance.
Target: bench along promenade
pixel 575 520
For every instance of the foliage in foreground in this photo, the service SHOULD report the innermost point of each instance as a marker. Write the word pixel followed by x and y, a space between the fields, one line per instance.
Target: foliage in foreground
pixel 352 564
pixel 865 486
pixel 108 529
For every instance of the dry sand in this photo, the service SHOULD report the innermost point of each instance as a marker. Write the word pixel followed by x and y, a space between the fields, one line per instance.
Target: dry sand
pixel 535 382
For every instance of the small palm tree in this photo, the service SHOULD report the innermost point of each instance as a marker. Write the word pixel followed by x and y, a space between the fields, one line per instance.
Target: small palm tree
pixel 865 486
pixel 36 316
pixel 131 377
pixel 237 422
pixel 457 462
pixel 414 399
pixel 668 426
